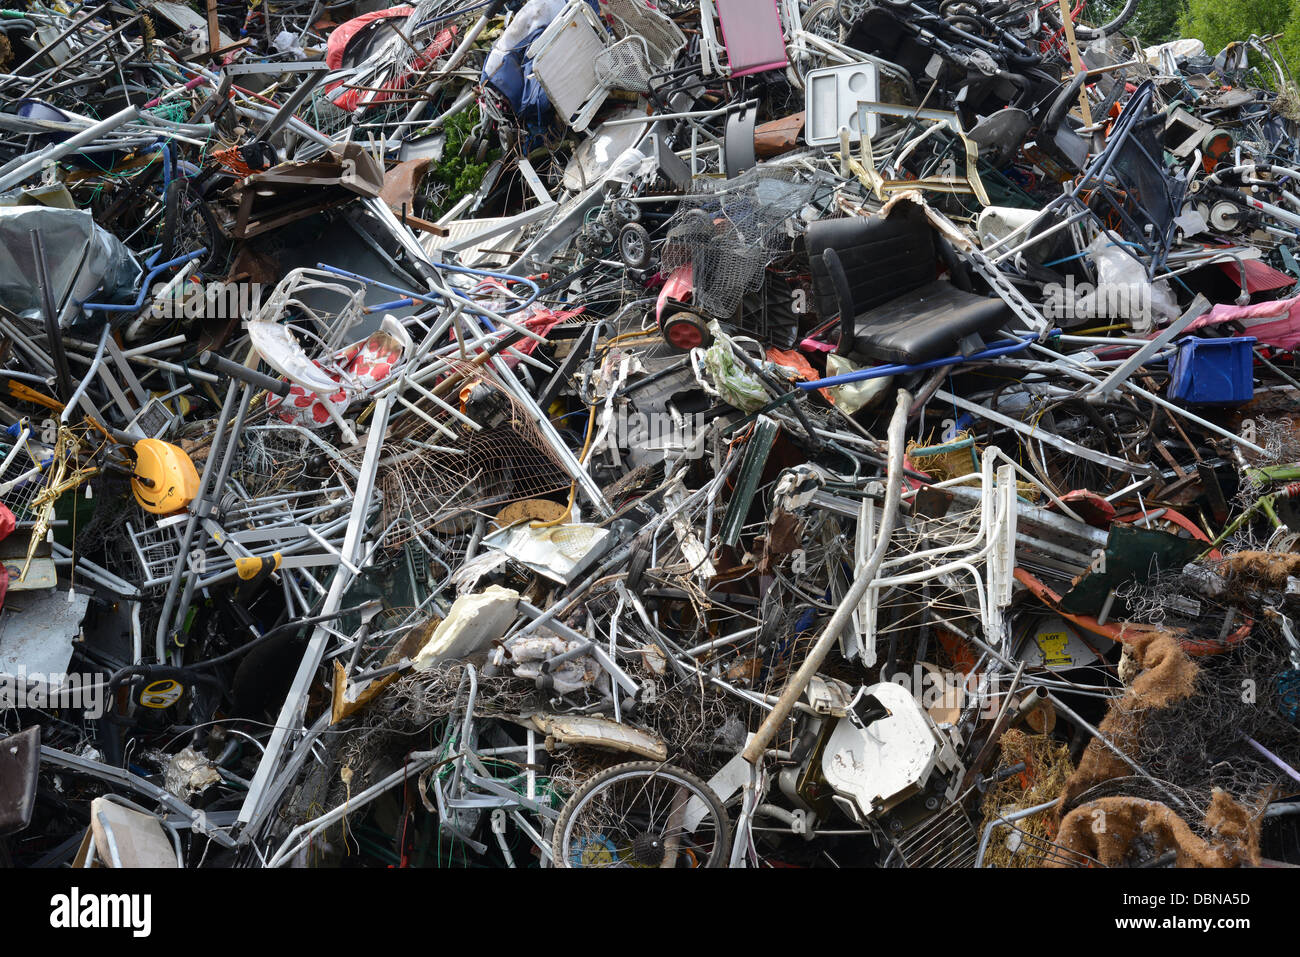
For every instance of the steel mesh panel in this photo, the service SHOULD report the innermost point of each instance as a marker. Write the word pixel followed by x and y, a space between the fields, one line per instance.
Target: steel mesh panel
pixel 731 230
pixel 623 67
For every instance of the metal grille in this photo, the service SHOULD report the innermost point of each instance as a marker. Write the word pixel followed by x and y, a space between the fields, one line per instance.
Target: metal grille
pixel 438 474
pixel 157 551
pixel 624 66
pixel 26 486
pixel 946 840
pixel 662 38
pixel 277 457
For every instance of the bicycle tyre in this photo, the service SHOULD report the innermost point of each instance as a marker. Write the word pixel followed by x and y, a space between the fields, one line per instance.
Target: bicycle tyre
pixel 182 204
pixel 1083 32
pixel 568 853
pixel 827 12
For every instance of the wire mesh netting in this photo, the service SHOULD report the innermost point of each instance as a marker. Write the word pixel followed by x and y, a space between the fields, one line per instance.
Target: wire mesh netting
pixel 439 475
pixel 1169 600
pixel 662 38
pixel 322 114
pixel 21 481
pixel 424 22
pixel 624 66
pixel 1202 743
pixel 277 457
pixel 729 231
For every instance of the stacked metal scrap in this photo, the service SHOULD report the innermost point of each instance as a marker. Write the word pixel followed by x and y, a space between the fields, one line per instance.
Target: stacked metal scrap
pixel 589 433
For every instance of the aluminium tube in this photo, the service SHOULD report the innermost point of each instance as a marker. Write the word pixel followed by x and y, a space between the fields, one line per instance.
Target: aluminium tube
pixel 35 161
pixel 753 752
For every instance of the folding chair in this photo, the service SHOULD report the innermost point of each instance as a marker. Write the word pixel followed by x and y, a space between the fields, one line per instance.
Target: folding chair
pixel 564 62
pixel 751 35
pixel 647 42
pixel 971 550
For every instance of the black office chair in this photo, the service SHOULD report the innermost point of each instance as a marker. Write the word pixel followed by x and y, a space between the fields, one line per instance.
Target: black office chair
pixel 879 275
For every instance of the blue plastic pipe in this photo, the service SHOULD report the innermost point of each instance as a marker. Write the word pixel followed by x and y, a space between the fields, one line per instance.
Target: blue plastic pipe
pixel 144 287
pixel 876 372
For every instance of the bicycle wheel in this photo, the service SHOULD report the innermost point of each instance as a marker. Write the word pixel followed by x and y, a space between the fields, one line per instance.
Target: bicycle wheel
pixel 850 12
pixel 642 814
pixel 821 19
pixel 189 226
pixel 1084 32
pixel 1119 430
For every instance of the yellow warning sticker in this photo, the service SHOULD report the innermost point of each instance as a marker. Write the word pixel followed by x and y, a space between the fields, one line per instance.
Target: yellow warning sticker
pixel 1051 644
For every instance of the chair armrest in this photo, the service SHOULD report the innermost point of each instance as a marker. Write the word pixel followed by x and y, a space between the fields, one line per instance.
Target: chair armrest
pixel 843 299
pixel 957 268
pixel 1067 97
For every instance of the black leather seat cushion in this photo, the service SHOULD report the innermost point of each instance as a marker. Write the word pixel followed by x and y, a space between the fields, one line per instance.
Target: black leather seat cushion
pixel 20 760
pixel 902 311
pixel 925 324
pixel 882 258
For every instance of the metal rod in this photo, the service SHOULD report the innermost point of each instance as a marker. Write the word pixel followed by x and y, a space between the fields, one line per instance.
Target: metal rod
pixel 794 688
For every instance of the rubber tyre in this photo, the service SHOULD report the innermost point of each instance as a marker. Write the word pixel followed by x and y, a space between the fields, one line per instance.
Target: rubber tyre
pixel 634 246
pixel 827 11
pixel 685 317
pixel 719 857
pixel 619 212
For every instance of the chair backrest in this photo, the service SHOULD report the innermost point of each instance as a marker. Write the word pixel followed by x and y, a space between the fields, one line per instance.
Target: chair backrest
pixel 564 62
pixel 751 31
pixel 663 38
pixel 1138 187
pixel 883 258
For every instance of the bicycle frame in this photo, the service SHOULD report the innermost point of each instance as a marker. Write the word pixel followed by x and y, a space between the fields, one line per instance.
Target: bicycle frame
pixel 471 787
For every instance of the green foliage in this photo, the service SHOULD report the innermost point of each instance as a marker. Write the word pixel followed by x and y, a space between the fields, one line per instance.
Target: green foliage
pixel 1156 21
pixel 1290 44
pixel 460 174
pixel 1217 24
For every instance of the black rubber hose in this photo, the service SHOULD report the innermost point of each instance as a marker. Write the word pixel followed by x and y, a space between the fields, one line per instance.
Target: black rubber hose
pixel 244 374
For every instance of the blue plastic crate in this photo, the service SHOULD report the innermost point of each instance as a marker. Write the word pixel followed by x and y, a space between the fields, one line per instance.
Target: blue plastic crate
pixel 1213 371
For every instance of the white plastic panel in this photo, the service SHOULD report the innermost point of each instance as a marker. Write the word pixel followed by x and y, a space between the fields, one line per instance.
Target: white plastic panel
pixel 831 97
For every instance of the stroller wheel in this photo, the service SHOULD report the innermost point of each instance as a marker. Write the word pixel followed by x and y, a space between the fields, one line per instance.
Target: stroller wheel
pixel 685 331
pixel 634 246
pixel 624 211
pixel 594 240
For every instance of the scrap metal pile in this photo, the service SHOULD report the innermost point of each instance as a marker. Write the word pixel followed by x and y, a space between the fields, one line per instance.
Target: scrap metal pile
pixel 589 433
